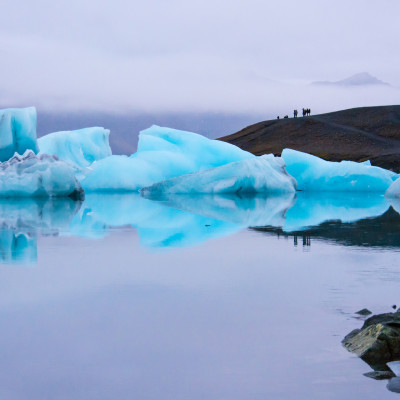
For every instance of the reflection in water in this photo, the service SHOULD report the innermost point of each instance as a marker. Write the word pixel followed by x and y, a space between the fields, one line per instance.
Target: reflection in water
pixel 382 231
pixel 184 220
pixel 158 225
pixel 314 209
pixel 21 220
pixel 17 247
pixel 394 385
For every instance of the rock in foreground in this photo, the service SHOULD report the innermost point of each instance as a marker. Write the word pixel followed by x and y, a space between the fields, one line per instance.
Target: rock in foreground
pixel 377 342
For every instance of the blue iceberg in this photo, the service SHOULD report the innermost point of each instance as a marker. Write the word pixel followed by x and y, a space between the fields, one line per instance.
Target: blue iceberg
pixel 265 174
pixel 163 153
pixel 315 174
pixel 80 148
pixel 37 176
pixel 17 131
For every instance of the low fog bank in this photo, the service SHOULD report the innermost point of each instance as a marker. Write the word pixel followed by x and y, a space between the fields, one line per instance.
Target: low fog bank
pixel 241 96
pixel 225 113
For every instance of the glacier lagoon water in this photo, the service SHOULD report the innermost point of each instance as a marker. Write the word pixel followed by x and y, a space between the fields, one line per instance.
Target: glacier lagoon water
pixel 192 297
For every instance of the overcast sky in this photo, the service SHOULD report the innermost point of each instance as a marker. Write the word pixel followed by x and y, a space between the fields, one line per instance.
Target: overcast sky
pixel 209 55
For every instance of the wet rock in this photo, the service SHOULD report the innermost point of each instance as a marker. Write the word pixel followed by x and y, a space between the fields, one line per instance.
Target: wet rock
pixel 364 311
pixel 378 341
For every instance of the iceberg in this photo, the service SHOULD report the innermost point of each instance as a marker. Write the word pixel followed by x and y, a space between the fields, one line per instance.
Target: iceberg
pixel 394 189
pixel 37 176
pixel 315 174
pixel 17 131
pixel 204 153
pixel 80 148
pixel 163 153
pixel 265 174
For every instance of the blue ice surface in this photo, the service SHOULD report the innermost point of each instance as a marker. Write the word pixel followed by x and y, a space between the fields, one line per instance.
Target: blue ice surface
pixel 80 147
pixel 37 176
pixel 265 174
pixel 17 131
pixel 162 153
pixel 317 175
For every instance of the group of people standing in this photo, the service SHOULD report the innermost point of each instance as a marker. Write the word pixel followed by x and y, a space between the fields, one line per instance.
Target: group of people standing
pixel 306 111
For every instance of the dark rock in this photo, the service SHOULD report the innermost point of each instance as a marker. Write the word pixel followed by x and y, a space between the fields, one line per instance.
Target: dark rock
pixel 380 375
pixel 377 342
pixel 381 319
pixel 364 311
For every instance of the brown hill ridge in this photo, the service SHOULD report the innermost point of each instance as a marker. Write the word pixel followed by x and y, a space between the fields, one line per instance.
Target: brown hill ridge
pixel 357 134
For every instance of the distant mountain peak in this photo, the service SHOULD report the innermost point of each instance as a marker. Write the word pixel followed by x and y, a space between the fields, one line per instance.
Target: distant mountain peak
pixel 360 79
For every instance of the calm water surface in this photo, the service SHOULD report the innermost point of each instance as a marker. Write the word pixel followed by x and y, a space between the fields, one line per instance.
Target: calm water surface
pixel 128 298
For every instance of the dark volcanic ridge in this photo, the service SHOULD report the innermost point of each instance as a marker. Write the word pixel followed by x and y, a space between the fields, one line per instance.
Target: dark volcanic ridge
pixel 357 134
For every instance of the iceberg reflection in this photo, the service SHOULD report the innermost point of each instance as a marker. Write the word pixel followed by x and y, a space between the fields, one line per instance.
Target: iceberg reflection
pixel 21 220
pixel 20 248
pixel 175 220
pixel 158 224
pixel 313 209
